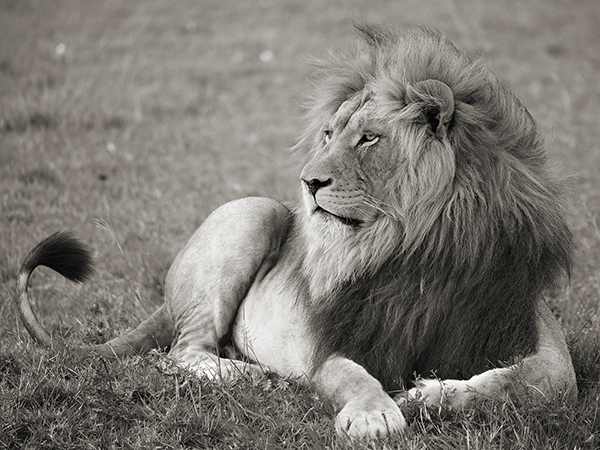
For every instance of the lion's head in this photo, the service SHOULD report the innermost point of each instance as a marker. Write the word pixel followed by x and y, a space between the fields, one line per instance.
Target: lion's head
pixel 431 221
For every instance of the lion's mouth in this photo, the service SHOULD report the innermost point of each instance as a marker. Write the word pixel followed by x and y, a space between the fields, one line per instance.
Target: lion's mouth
pixel 344 220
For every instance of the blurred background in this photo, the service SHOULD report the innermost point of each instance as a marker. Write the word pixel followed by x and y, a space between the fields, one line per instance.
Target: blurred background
pixel 129 121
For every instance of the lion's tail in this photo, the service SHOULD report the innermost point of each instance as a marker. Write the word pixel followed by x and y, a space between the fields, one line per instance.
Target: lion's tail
pixel 72 259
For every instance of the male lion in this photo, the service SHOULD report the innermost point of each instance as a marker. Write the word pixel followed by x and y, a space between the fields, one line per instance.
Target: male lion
pixel 429 231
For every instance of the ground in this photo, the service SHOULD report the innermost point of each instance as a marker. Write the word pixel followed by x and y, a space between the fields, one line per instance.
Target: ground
pixel 129 121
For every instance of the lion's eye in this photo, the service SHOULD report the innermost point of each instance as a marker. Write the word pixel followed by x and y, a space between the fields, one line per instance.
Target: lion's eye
pixel 327 134
pixel 368 138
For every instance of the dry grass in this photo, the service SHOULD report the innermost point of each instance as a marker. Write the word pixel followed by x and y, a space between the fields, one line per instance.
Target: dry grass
pixel 143 116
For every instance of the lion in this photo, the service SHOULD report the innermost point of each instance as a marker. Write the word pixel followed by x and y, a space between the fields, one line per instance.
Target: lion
pixel 415 267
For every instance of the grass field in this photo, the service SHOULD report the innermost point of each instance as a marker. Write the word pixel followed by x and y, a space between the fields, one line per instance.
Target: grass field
pixel 129 121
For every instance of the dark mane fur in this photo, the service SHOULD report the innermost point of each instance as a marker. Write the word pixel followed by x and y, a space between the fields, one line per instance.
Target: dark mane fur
pixel 459 293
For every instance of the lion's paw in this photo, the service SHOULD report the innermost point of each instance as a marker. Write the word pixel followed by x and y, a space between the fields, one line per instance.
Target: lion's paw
pixel 452 394
pixel 375 421
pixel 222 369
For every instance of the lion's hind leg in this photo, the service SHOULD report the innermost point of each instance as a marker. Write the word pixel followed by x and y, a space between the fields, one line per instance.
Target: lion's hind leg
pixel 209 279
pixel 546 374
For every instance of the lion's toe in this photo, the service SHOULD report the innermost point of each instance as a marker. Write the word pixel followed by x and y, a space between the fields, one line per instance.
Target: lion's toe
pixel 357 422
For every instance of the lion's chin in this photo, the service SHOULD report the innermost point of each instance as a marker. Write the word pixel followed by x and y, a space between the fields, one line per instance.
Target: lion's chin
pixel 348 221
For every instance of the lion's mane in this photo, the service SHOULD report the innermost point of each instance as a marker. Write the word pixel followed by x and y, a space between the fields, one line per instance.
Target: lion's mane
pixel 474 231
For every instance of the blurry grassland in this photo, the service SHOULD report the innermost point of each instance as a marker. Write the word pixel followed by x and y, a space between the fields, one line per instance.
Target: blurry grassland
pixel 151 114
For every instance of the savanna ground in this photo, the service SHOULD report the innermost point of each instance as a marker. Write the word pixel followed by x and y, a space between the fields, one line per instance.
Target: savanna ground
pixel 129 121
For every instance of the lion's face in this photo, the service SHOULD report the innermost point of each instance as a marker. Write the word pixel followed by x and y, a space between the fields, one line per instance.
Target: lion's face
pixel 381 171
pixel 344 184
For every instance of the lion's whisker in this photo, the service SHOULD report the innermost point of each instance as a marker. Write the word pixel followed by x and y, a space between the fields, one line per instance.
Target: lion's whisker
pixel 380 206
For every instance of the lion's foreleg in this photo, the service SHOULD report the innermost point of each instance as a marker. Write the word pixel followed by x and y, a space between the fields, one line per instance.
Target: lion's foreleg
pixel 364 409
pixel 545 374
pixel 461 394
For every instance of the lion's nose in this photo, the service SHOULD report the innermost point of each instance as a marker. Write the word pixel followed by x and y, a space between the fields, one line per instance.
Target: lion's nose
pixel 315 184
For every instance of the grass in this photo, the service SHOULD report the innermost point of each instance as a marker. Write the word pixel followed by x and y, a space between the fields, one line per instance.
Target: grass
pixel 150 115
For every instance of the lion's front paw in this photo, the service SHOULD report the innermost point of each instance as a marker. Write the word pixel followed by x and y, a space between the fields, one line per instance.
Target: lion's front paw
pixel 360 421
pixel 453 394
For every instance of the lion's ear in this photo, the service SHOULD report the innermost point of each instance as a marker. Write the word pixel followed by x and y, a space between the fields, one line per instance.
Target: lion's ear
pixel 436 101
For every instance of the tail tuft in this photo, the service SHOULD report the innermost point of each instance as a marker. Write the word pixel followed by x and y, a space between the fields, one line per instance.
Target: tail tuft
pixel 63 253
pixel 72 259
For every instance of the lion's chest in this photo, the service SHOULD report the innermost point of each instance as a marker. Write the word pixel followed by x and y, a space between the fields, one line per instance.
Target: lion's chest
pixel 270 327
